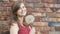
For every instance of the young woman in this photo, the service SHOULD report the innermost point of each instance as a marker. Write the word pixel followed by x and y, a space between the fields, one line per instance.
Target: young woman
pixel 19 26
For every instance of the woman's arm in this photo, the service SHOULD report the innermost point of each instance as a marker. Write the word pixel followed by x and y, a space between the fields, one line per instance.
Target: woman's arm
pixel 14 29
pixel 32 31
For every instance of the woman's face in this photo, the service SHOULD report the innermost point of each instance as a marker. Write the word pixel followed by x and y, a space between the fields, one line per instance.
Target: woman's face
pixel 22 11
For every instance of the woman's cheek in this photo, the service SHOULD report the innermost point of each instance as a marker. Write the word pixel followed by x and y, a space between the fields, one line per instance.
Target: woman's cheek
pixel 24 13
pixel 19 13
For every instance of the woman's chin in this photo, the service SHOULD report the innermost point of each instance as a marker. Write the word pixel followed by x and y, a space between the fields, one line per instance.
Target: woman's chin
pixel 21 15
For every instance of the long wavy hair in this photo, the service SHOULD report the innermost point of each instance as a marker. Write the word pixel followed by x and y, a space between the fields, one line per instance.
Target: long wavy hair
pixel 15 7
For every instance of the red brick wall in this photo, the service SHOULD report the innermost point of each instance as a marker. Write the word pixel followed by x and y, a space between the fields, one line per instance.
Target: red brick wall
pixel 40 10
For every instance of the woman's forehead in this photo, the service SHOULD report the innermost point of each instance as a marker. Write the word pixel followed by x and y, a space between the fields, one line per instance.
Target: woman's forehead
pixel 22 8
pixel 22 5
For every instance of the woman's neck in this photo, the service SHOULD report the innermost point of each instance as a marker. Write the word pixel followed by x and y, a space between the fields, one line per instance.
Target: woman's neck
pixel 20 19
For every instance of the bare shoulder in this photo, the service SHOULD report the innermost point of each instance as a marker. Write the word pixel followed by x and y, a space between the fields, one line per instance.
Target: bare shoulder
pixel 31 27
pixel 14 23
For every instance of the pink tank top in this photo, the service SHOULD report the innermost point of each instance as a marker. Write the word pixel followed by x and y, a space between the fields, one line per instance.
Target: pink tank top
pixel 23 30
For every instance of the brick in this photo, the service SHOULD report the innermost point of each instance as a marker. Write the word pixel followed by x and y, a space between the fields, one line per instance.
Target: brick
pixel 37 9
pixel 1 8
pixel 57 6
pixel 4 8
pixel 42 29
pixel 32 0
pixel 41 10
pixel 53 24
pixel 44 32
pixel 0 13
pixel 37 1
pixel 29 9
pixel 44 0
pixel 38 32
pixel 52 19
pixel 43 14
pixel 58 1
pixel 57 15
pixel 36 14
pixel 39 14
pixel 57 28
pixel 17 1
pixel 46 10
pixel 58 19
pixel 13 0
pixel 9 13
pixel 41 23
pixel 1 3
pixel 8 3
pixel 6 0
pixel 50 14
pixel 1 0
pixel 28 13
pixel 53 32
pixel 46 5
pixel 29 4
pixel 37 23
pixel 52 29
pixel 8 8
pixel 49 1
pixel 55 1
pixel 44 19
pixel 53 14
pixel 2 18
pixel 58 10
pixel 4 13
pixel 5 27
pixel 28 0
pixel 51 5
pixel 38 5
pixel 37 19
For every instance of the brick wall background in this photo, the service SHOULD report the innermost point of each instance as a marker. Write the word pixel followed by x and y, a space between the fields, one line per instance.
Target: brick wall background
pixel 46 12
